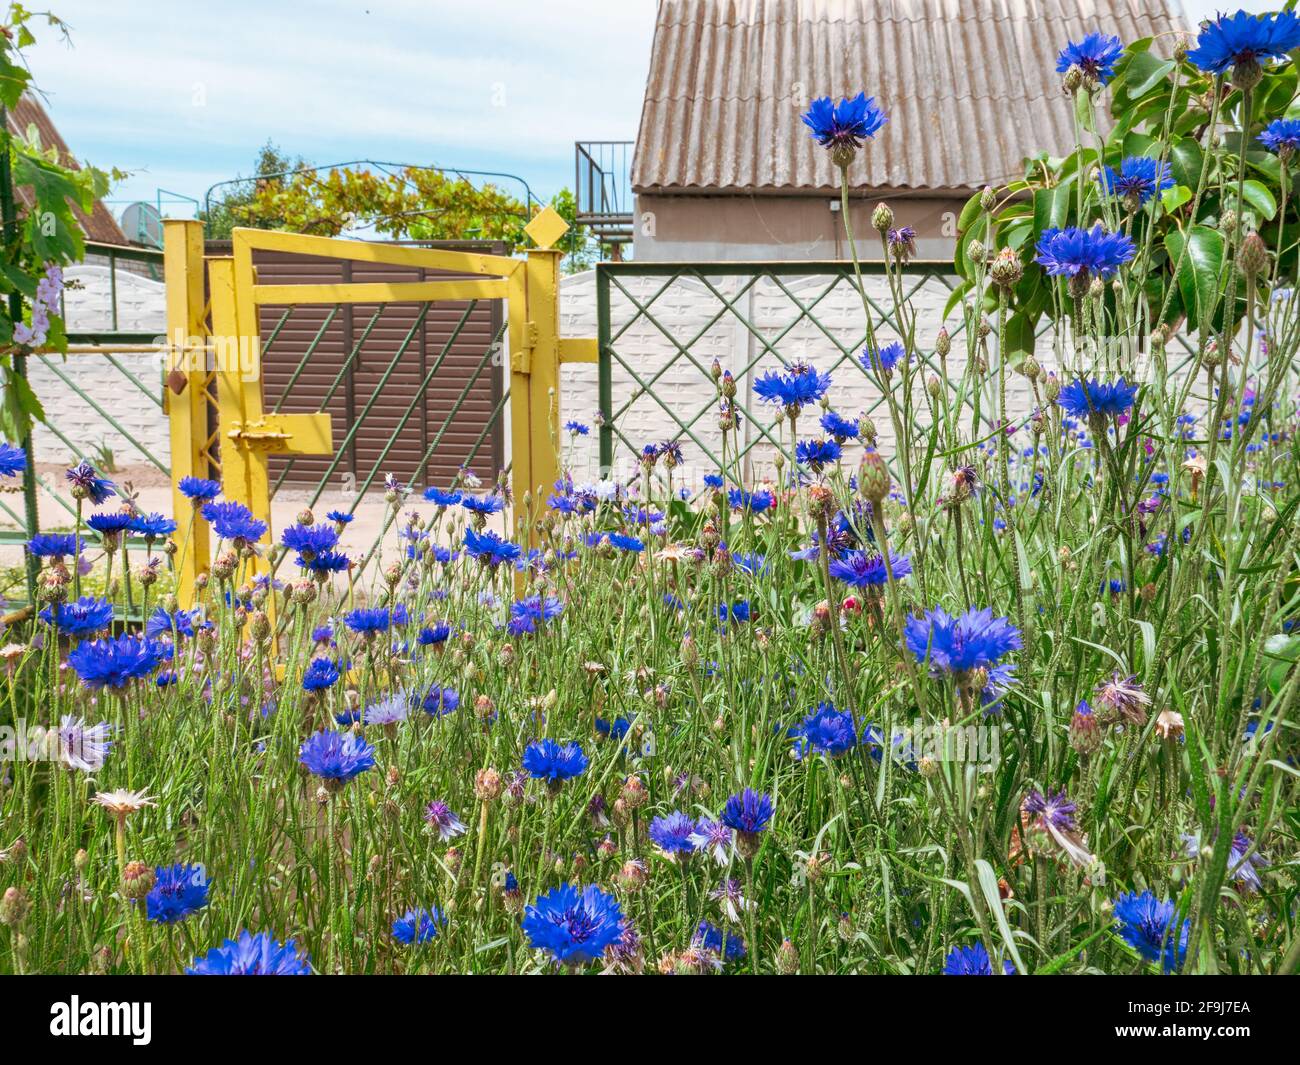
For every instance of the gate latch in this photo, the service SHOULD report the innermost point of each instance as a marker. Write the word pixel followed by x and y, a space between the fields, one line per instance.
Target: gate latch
pixel 286 434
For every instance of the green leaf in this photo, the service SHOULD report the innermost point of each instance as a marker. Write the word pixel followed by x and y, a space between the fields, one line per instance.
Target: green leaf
pixel 1185 160
pixel 1173 198
pixel 1144 72
pixel 1019 337
pixel 1051 208
pixel 1198 270
pixel 1256 194
pixel 993 898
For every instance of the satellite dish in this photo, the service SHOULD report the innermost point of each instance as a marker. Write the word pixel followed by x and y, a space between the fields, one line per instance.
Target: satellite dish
pixel 142 224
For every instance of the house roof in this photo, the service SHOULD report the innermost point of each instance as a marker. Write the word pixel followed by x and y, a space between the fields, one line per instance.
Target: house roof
pixel 98 225
pixel 970 88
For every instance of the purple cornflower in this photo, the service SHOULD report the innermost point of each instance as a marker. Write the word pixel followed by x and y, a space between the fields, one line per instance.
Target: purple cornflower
pixel 1055 809
pixel 712 838
pixel 438 815
pixel 672 834
pixel 862 570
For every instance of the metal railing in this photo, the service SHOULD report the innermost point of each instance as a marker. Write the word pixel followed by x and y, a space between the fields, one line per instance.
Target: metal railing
pixel 112 346
pixel 602 188
pixel 661 325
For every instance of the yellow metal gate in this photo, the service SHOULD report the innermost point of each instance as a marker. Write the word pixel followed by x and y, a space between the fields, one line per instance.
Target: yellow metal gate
pixel 220 421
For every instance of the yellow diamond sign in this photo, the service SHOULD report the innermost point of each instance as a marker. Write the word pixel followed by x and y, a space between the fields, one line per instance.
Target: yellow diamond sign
pixel 546 227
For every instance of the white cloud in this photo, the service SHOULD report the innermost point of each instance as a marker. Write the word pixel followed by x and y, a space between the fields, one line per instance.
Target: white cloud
pixel 189 91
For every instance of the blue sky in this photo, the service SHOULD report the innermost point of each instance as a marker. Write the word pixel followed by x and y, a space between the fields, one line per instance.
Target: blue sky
pixel 183 93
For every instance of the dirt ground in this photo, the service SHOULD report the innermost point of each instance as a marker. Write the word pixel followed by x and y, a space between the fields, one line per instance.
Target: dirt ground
pixel 151 490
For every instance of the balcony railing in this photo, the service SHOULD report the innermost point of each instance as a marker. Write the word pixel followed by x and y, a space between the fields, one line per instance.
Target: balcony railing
pixel 603 189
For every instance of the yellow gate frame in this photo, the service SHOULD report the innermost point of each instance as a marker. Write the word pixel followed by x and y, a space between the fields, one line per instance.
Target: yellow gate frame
pixel 248 435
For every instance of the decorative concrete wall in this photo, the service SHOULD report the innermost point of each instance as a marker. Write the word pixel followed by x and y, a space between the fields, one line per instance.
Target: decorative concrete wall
pixel 73 423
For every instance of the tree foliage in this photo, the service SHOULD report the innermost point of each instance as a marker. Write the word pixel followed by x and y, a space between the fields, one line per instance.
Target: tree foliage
pixel 40 232
pixel 410 203
pixel 1165 109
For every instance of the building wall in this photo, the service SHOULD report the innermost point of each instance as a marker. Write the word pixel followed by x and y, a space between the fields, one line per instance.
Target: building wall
pixel 738 227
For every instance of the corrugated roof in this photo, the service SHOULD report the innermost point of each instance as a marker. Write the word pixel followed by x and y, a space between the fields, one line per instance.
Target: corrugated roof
pixel 99 225
pixel 970 87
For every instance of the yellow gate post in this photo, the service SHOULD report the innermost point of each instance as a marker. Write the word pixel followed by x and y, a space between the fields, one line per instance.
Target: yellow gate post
pixel 536 352
pixel 232 346
pixel 185 394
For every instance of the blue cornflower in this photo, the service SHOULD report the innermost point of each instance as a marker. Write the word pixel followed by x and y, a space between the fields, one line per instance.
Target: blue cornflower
pixel 884 360
pixel 111 523
pixel 336 756
pixel 825 730
pixel 439 701
pixel 973 961
pixel 840 428
pixel 554 762
pixel 1245 40
pixel 862 570
pixel 845 124
pixel 817 454
pixel 749 813
pixel 370 621
pixel 252 955
pixel 973 640
pixel 418 925
pixel 342 517
pixel 53 545
pixel 152 526
pixel 725 945
pixel 1140 177
pixel 573 925
pixel 1144 922
pixel 739 611
pixel 233 521
pixel 800 386
pixel 625 543
pixel 310 540
pixel 616 729
pixel 320 674
pixel 1083 253
pixel 198 489
pixel 431 635
pixel 325 562
pixel 672 833
pixel 1084 399
pixel 81 618
pixel 1281 135
pixel 448 498
pixel 1096 55
pixel 114 662
pixel 178 891
pixel 489 548
pixel 576 428
pixel 87 484
pixel 161 623
pixel 714 480
pixel 13 460
pixel 483 505
pixel 754 502
pixel 534 610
